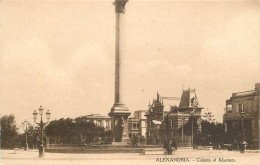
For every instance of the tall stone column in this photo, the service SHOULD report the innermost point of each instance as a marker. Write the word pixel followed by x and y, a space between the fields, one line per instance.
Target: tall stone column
pixel 119 112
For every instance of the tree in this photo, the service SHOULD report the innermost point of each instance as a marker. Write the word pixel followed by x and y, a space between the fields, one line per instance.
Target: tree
pixel 212 134
pixel 134 139
pixel 9 132
pixel 32 134
pixel 107 138
pixel 218 134
pixel 209 117
pixel 206 132
pixel 78 131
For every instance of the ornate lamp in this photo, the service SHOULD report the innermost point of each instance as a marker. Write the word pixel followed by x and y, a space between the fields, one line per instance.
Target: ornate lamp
pixel 35 115
pixel 25 124
pixel 48 114
pixel 41 110
pixel 41 124
pixel 243 142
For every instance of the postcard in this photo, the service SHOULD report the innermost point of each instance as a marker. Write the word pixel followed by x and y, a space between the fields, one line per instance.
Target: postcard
pixel 129 82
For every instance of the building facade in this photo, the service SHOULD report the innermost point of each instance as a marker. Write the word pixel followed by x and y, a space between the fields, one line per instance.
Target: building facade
pixel 137 124
pixel 247 102
pixel 189 109
pixel 163 125
pixel 97 119
pixel 155 116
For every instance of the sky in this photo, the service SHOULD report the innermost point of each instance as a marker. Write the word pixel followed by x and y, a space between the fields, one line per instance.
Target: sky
pixel 60 54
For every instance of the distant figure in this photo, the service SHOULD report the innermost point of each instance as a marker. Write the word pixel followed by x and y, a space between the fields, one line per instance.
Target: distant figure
pixel 174 145
pixel 168 148
pixel 235 145
pixel 229 147
pixel 242 148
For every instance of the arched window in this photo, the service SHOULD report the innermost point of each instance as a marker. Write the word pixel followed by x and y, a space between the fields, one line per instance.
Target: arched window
pixel 134 126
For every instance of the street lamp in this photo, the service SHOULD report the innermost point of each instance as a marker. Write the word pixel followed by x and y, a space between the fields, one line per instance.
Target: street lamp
pixel 25 124
pixel 192 113
pixel 41 124
pixel 167 127
pixel 243 142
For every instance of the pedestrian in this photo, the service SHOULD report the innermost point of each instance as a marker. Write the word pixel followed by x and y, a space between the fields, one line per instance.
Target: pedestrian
pixel 174 145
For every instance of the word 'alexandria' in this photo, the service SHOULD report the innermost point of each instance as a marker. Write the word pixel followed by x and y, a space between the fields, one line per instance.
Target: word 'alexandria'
pixel 172 160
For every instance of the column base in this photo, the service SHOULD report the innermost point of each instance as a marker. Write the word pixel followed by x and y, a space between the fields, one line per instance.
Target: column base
pixel 119 124
pixel 119 109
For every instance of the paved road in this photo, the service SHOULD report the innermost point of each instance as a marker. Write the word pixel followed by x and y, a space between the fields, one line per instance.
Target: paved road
pixel 187 157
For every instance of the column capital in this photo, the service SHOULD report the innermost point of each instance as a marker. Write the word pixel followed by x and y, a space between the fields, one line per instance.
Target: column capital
pixel 120 5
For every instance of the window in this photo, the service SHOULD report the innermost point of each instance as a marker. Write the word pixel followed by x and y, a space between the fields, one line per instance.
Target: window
pixel 229 108
pixel 107 124
pixel 171 122
pixel 134 126
pixel 241 107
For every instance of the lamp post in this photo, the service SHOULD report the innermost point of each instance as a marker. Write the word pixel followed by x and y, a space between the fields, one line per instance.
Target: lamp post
pixel 192 113
pixel 41 124
pixel 25 124
pixel 243 142
pixel 167 127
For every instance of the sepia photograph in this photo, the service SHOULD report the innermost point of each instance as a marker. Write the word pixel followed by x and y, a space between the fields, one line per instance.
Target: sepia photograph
pixel 129 82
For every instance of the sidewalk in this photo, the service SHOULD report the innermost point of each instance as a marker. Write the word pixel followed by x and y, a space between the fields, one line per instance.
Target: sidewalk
pixel 180 156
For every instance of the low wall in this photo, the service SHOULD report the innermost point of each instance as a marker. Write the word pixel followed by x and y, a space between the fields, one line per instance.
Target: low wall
pixel 95 150
pixel 99 149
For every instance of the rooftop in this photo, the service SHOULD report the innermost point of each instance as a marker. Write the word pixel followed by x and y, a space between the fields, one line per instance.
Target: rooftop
pixel 245 93
pixel 94 116
pixel 189 99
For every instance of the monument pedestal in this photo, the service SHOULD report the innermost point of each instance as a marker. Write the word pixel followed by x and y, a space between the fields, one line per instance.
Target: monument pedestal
pixel 119 124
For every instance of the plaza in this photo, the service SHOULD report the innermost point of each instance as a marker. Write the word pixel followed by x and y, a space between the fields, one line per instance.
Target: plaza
pixel 180 156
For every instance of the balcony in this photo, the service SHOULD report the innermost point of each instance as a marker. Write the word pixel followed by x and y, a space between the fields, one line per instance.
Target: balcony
pixel 237 116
